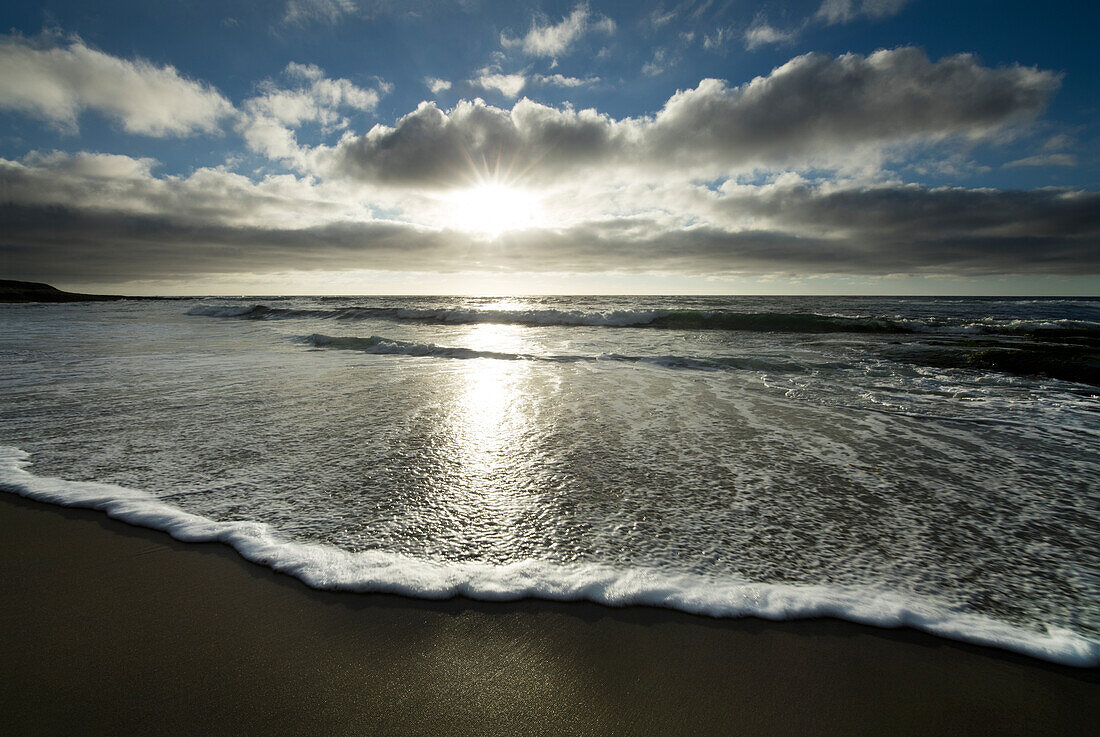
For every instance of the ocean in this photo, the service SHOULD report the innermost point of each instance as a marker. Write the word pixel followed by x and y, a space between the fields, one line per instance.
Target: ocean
pixel 923 462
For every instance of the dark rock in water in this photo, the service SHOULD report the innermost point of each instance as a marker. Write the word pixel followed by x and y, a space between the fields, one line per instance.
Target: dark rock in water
pixel 29 291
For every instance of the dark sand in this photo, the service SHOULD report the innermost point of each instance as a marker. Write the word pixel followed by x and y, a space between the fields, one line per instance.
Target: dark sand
pixel 113 629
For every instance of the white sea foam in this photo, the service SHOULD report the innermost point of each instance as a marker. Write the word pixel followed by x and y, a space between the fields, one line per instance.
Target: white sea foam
pixel 327 567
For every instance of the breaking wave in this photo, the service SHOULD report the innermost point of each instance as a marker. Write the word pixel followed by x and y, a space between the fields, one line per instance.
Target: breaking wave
pixel 328 567
pixel 1068 363
pixel 759 322
pixel 378 345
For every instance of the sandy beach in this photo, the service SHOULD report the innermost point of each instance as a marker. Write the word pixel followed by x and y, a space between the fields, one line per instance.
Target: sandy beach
pixel 113 629
pixel 566 367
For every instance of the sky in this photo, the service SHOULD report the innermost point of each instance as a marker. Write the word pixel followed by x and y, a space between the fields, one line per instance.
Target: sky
pixel 477 147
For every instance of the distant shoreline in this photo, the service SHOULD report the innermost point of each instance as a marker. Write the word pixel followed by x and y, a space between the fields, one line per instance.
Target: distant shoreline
pixel 29 291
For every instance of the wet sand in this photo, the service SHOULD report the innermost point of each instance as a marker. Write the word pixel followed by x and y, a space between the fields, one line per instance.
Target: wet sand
pixel 112 629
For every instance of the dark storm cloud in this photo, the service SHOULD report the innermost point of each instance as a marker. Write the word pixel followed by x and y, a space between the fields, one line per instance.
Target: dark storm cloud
pixel 57 242
pixel 709 249
pixel 815 109
pixel 797 231
pixel 899 214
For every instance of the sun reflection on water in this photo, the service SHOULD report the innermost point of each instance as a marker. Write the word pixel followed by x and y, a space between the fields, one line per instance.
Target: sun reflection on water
pixel 489 427
pixel 506 304
pixel 491 409
pixel 486 404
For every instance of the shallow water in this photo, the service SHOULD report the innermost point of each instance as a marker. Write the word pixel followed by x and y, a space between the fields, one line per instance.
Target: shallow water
pixel 930 462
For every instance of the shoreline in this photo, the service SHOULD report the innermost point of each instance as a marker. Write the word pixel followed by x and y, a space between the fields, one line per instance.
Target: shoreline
pixel 332 569
pixel 130 631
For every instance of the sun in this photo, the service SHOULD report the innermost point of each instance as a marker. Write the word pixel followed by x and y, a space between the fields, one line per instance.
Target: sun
pixel 492 208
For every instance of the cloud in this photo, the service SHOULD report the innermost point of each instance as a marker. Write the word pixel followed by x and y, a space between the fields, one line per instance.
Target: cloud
pixel 1057 142
pixel 1045 160
pixel 165 246
pixel 270 118
pixel 717 38
pixel 326 11
pixel 662 59
pixel 660 17
pixel 892 230
pixel 433 147
pixel 896 216
pixel 303 12
pixel 559 80
pixel 817 107
pixel 57 83
pixel 815 110
pixel 98 217
pixel 914 229
pixel 436 85
pixel 509 85
pixel 555 39
pixel 832 12
pixel 122 184
pixel 760 33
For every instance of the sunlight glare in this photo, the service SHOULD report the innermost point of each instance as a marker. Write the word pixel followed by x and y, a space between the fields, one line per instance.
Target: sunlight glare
pixel 492 208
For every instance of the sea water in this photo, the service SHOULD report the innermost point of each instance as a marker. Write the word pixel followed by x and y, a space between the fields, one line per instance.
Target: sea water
pixel 927 462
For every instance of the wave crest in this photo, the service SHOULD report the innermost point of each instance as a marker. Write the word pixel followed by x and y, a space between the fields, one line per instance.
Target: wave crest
pixel 755 322
pixel 378 345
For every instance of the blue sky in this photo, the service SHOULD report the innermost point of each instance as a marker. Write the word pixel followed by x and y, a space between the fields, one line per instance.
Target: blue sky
pixel 878 146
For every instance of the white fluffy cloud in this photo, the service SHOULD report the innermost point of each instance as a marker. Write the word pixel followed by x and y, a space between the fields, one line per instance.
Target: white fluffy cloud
pixel 761 32
pixel 815 110
pixel 269 120
pixel 57 82
pixel 556 38
pixel 436 85
pixel 560 80
pixel 509 85
pixel 127 187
